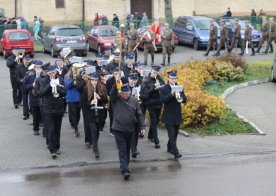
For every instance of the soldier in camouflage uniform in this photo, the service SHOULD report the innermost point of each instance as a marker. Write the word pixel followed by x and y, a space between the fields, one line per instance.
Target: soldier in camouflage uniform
pixel 212 43
pixel 247 39
pixel 148 45
pixel 265 31
pixel 224 39
pixel 236 36
pixel 167 41
pixel 133 38
pixel 271 34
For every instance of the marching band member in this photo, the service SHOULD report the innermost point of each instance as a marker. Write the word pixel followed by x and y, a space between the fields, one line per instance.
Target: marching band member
pixel 150 96
pixel 115 63
pixel 103 80
pixel 128 67
pixel 73 98
pixel 53 92
pixel 127 114
pixel 28 85
pixel 96 99
pixel 20 73
pixel 172 117
pixel 12 62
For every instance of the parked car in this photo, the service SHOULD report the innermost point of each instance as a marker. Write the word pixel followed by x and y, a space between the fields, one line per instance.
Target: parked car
pixel 64 36
pixel 256 34
pixel 158 46
pixel 193 30
pixel 99 37
pixel 16 37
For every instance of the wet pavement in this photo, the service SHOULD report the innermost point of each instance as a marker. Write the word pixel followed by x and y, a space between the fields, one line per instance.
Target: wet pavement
pixel 218 165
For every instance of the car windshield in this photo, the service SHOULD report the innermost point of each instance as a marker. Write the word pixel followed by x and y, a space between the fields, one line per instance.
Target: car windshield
pixel 203 23
pixel 18 36
pixel 108 32
pixel 69 32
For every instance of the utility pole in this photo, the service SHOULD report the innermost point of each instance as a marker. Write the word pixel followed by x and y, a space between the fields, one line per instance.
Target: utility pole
pixel 168 11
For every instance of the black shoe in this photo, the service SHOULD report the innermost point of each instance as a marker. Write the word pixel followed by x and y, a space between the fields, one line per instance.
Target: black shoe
pixel 97 155
pixel 36 133
pixel 77 133
pixel 87 145
pixel 141 135
pixel 134 154
pixel 177 156
pixel 126 175
pixel 170 151
pixel 270 51
pixel 25 117
pixel 16 106
pixel 58 152
pixel 157 145
pixel 54 155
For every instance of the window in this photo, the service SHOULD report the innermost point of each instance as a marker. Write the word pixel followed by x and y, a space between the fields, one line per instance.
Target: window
pixel 69 32
pixel 18 36
pixel 60 4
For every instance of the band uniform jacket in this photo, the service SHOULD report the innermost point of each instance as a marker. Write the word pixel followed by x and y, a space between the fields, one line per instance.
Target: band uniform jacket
pixel 172 109
pixel 213 33
pixel 28 86
pixel 237 32
pixel 248 34
pixel 167 37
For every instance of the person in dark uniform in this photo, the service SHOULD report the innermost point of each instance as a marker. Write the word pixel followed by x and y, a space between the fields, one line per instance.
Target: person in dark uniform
pixel 147 39
pixel 172 117
pixel 167 44
pixel 224 39
pixel 12 63
pixel 29 84
pixel 236 37
pixel 73 98
pixel 271 35
pixel 213 36
pixel 128 66
pixel 103 80
pixel 247 39
pixel 96 96
pixel 127 114
pixel 53 92
pixel 265 33
pixel 150 96
pixel 133 38
pixel 20 73
pixel 115 63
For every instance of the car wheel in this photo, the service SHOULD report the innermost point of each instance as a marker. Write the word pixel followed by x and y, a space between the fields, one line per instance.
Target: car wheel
pixel 273 79
pixel 53 52
pixel 195 44
pixel 5 54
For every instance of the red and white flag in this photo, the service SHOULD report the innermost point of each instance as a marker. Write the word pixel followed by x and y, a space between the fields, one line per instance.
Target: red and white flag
pixel 156 30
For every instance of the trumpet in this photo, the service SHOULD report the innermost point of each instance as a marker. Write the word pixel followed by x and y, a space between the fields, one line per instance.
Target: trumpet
pixel 176 90
pixel 178 97
pixel 19 55
pixel 54 85
pixel 158 84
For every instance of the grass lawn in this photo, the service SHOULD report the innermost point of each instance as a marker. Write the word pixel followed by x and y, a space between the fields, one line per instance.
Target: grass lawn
pixel 232 123
pixel 38 47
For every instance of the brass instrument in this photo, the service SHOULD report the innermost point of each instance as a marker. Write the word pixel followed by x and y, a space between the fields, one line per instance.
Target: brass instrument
pixel 158 84
pixel 54 85
pixel 178 97
pixel 77 67
pixel 176 90
pixel 20 54
pixel 67 56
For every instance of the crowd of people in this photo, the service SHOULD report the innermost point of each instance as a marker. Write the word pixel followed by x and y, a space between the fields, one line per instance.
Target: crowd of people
pixel 109 85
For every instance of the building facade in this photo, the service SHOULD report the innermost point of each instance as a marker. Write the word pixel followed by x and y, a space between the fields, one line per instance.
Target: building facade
pixel 55 11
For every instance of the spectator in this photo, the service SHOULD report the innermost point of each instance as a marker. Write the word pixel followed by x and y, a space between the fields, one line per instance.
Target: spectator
pixel 253 17
pixel 128 20
pixel 115 21
pixel 136 20
pixel 96 20
pixel 228 13
pixel 36 28
pixel 261 14
pixel 145 20
pixel 24 24
pixel 41 28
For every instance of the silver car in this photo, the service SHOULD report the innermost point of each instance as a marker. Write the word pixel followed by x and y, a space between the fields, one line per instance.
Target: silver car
pixel 64 36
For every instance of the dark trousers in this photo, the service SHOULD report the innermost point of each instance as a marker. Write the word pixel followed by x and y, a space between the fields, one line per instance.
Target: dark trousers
pixel 87 134
pixel 110 111
pixel 26 107
pixel 134 139
pixel 101 124
pixel 36 117
pixel 172 133
pixel 54 121
pixel 45 128
pixel 123 140
pixel 74 114
pixel 154 120
pixel 94 132
pixel 16 91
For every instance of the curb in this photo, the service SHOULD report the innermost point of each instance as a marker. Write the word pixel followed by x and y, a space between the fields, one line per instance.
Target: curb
pixel 232 89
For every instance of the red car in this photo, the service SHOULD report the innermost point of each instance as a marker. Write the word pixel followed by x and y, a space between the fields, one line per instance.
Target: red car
pixel 99 37
pixel 16 37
